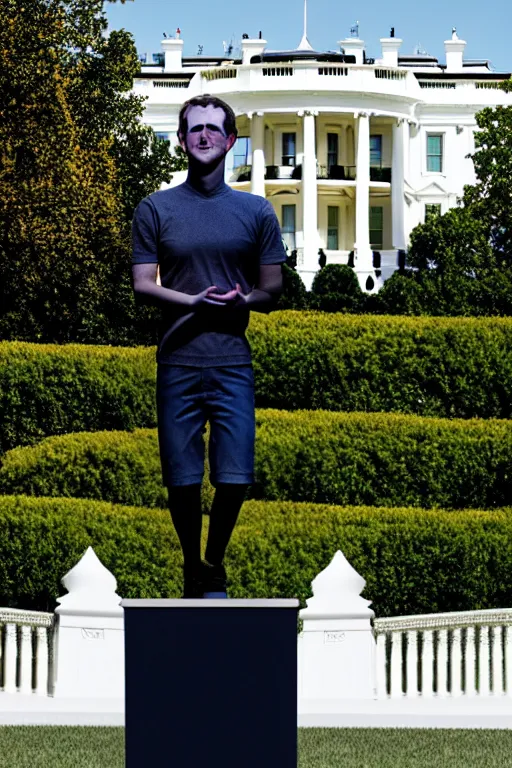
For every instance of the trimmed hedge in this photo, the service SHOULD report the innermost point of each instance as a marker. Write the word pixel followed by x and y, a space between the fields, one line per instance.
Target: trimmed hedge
pixel 314 456
pixel 47 389
pixel 413 561
pixel 446 367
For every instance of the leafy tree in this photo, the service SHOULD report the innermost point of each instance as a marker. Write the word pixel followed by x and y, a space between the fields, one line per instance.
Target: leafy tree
pixel 74 160
pixel 490 199
pixel 464 258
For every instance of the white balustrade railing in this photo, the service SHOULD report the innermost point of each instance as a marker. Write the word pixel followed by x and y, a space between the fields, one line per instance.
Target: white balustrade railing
pixel 26 658
pixel 445 654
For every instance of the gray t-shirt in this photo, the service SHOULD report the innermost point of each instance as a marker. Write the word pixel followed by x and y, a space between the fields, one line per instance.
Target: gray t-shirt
pixel 201 240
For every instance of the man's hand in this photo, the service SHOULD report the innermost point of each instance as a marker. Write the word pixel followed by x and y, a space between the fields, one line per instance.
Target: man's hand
pixel 232 298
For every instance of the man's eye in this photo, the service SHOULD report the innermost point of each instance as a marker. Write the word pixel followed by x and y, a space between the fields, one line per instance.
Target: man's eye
pixel 196 129
pixel 213 128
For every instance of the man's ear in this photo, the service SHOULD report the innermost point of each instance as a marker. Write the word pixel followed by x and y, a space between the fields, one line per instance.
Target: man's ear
pixel 181 139
pixel 231 141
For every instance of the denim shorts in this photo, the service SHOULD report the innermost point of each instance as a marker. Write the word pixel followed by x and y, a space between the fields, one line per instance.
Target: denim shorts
pixel 189 397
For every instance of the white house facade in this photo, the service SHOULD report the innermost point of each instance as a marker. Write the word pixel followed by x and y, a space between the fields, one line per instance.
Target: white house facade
pixel 352 152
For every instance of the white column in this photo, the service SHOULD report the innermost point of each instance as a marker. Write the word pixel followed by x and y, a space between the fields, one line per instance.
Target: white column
pixel 397 186
pixel 26 660
pixel 363 256
pixel 309 202
pixel 342 245
pixel 258 154
pixel 412 663
pixel 343 158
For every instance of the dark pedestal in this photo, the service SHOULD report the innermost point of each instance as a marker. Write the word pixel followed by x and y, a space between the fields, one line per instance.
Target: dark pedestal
pixel 211 683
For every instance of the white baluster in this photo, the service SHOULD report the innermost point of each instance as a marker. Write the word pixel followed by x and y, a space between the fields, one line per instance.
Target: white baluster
pixel 497 661
pixel 10 658
pixel 456 679
pixel 470 688
pixel 26 660
pixel 442 663
pixel 42 662
pixel 381 666
pixel 412 663
pixel 483 662
pixel 396 664
pixel 508 660
pixel 427 663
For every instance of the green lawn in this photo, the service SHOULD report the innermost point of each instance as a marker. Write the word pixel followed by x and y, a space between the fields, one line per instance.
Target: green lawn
pixel 35 747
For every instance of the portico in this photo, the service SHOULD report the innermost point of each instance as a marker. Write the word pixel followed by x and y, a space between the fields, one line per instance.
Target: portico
pixel 341 172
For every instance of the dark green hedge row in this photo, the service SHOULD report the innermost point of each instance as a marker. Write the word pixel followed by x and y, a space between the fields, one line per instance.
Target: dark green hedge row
pixel 413 561
pixel 447 367
pixel 314 456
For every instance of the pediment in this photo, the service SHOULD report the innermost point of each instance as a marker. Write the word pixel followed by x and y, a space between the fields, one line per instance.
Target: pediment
pixel 431 190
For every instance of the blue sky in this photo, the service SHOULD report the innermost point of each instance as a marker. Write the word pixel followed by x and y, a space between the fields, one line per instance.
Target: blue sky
pixel 203 22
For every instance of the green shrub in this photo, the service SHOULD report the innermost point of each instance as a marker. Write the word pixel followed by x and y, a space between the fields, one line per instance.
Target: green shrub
pixel 314 456
pixel 400 295
pixel 120 467
pixel 413 561
pixel 46 389
pixel 446 367
pixel 336 289
pixel 294 295
pixel 451 367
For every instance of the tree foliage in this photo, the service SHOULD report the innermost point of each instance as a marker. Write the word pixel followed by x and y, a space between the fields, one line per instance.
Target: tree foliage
pixel 464 258
pixel 74 161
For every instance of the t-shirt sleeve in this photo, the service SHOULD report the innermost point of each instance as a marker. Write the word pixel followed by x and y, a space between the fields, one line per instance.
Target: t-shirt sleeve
pixel 145 234
pixel 271 241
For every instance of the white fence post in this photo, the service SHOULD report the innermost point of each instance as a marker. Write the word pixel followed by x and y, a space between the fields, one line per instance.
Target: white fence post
pixel 89 641
pixel 337 647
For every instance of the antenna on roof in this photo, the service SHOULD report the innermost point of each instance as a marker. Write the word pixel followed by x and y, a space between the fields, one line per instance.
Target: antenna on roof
pixel 200 49
pixel 304 44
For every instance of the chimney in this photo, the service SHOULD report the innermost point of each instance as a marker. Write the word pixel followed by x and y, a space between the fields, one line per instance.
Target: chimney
pixel 173 50
pixel 353 46
pixel 454 49
pixel 252 47
pixel 390 47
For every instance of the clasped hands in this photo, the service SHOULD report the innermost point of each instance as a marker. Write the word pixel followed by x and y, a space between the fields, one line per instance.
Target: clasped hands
pixel 232 298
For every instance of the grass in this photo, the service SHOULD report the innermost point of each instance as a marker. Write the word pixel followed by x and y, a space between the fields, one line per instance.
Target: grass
pixel 66 747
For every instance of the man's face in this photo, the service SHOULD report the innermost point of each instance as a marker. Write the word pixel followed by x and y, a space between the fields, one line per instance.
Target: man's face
pixel 206 139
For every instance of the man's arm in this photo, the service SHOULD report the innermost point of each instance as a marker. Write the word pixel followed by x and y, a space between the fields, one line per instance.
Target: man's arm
pixel 147 290
pixel 262 298
pixel 265 295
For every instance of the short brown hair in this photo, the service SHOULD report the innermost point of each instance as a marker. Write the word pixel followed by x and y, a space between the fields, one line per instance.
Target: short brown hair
pixel 204 101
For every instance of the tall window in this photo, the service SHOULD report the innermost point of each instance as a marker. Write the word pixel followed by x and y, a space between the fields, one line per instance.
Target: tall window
pixel 289 148
pixel 376 151
pixel 376 227
pixel 288 226
pixel 432 209
pixel 332 227
pixel 435 152
pixel 332 149
pixel 241 151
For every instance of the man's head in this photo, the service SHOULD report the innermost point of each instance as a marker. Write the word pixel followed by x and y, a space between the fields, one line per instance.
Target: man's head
pixel 207 128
